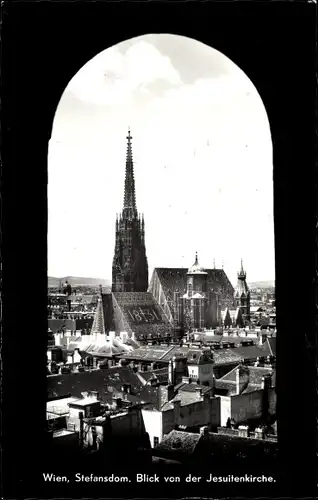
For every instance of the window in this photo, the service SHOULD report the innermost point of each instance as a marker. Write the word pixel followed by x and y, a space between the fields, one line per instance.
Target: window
pixel 155 441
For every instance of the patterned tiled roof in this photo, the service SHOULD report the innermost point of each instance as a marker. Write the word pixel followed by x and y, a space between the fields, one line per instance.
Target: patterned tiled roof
pixel 139 312
pixel 183 442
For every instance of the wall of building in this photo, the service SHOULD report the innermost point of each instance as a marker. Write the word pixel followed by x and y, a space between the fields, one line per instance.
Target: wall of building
pixel 252 405
pixel 153 424
pixel 206 374
pixel 127 424
pixel 198 414
pixel 225 409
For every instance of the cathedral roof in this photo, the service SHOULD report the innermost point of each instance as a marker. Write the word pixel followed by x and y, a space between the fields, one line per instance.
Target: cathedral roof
pixel 196 268
pixel 171 280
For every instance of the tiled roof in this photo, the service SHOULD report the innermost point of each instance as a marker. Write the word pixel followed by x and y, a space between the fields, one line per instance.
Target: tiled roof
pixel 148 353
pixel 223 338
pixel 186 398
pixel 226 387
pixel 219 445
pixel 59 406
pixel 227 383
pixel 150 395
pixel 182 442
pixel 253 352
pixel 95 380
pixel 175 351
pixel 172 280
pixel 256 373
pixel 164 354
pixel 271 342
pixel 153 320
pixel 226 356
pixel 195 387
pixel 161 374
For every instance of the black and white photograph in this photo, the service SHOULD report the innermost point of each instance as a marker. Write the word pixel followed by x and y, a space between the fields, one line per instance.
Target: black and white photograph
pixel 170 248
pixel 161 322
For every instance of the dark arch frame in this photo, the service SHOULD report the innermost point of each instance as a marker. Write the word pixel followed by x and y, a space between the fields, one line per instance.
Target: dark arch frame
pixel 275 49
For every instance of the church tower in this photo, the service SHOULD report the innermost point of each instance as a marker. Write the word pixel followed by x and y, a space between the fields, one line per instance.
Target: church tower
pixel 130 266
pixel 242 294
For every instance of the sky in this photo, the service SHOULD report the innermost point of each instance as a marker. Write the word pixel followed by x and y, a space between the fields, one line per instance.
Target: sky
pixel 202 158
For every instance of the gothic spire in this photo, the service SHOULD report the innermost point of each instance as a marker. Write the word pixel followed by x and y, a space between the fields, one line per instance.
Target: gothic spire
pixel 129 196
pixel 242 273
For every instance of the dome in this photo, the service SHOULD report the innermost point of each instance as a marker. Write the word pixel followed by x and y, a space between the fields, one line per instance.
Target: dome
pixel 196 268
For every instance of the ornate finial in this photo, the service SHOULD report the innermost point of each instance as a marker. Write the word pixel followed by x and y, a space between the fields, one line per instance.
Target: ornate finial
pixel 129 137
pixel 214 263
pixel 242 270
pixel 196 257
pixel 222 264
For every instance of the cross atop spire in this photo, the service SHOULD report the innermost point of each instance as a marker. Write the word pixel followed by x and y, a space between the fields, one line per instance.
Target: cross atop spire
pixel 129 196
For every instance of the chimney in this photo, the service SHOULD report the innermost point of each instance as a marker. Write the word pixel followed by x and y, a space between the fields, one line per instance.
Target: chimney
pixel 266 382
pixel 204 432
pixel 206 397
pixel 57 338
pixel 95 395
pixel 242 380
pixel 243 431
pixel 259 433
pixel 171 372
pixel 176 411
pixel 170 391
pixel 81 429
pixel 118 403
pixel 198 390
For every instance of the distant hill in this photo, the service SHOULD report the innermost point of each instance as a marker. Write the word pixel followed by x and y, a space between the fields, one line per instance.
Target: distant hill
pixel 262 284
pixel 76 281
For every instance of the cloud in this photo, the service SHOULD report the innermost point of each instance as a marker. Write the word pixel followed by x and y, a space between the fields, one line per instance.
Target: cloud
pixel 110 78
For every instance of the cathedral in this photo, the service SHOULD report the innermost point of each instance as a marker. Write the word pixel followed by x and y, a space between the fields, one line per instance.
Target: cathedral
pixel 176 299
